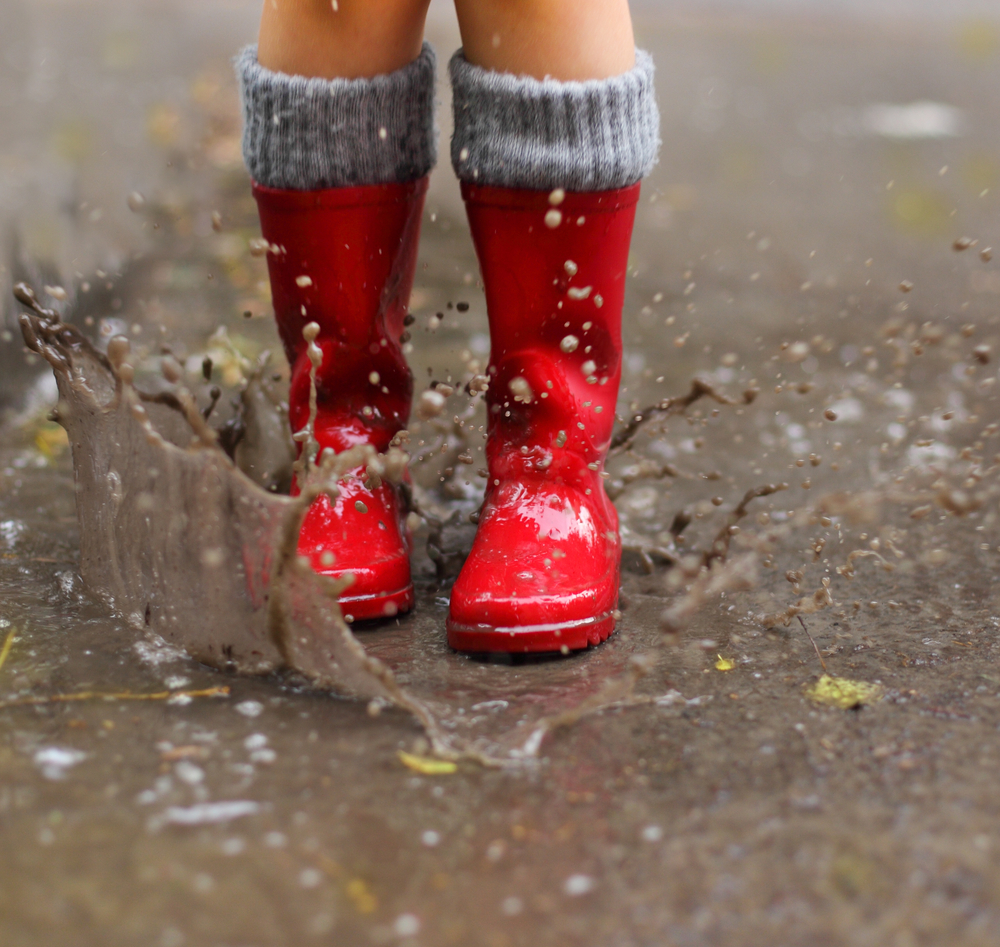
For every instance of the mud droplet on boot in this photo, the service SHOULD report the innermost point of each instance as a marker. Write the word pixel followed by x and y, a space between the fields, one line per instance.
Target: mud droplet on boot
pixel 570 343
pixel 570 267
pixel 521 390
pixel 303 281
pixel 360 507
pixel 553 219
pixel 557 196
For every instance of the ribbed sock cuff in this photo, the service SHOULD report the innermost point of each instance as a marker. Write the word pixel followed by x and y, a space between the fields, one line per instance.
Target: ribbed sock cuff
pixel 307 134
pixel 516 131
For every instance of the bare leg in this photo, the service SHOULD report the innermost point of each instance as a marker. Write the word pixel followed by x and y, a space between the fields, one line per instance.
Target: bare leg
pixel 349 39
pixel 564 39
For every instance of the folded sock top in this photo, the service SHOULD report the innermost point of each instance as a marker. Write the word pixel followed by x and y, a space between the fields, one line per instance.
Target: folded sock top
pixel 517 131
pixel 307 134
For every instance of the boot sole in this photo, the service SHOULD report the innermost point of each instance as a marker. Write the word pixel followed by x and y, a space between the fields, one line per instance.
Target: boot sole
pixel 383 605
pixel 531 639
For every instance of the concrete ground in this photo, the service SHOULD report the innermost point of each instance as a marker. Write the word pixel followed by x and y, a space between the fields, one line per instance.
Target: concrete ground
pixel 819 228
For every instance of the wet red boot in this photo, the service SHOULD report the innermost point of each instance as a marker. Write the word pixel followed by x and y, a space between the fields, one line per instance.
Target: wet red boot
pixel 345 258
pixel 544 567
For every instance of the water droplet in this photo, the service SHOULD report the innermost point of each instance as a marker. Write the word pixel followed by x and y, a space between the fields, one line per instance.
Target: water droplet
pixel 577 885
pixel 430 405
pixel 249 708
pixel 407 925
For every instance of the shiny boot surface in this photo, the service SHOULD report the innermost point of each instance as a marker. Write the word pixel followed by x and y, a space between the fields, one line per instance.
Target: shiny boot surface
pixel 344 258
pixel 543 573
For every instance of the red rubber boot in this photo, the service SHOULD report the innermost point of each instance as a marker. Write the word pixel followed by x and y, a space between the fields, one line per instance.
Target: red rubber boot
pixel 345 258
pixel 543 571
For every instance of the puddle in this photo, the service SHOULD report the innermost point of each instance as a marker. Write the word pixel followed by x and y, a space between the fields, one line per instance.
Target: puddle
pixel 190 758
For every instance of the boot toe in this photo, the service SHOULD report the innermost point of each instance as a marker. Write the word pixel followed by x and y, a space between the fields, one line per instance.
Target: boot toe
pixel 521 592
pixel 361 535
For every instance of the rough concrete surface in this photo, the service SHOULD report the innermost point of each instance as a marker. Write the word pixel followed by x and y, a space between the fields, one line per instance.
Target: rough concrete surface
pixel 818 228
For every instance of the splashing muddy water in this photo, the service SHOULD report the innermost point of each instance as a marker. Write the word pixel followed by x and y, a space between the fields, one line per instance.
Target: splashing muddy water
pixel 177 540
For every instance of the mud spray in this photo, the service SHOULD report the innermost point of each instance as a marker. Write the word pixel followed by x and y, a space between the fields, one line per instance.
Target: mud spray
pixel 185 535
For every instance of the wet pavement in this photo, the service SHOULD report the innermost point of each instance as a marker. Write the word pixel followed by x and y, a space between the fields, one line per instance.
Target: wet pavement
pixel 804 237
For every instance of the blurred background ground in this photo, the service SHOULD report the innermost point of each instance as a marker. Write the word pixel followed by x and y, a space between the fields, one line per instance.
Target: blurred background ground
pixel 817 156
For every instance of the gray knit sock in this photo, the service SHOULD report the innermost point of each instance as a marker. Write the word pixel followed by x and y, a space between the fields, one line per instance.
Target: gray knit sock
pixel 515 131
pixel 306 134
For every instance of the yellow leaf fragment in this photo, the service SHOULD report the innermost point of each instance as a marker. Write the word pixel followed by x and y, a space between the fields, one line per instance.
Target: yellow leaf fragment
pixel 724 664
pixel 50 440
pixel 7 645
pixel 426 765
pixel 173 696
pixel 361 896
pixel 844 693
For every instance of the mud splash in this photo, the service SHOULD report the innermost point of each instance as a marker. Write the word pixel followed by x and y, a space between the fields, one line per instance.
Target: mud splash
pixel 190 545
pixel 180 543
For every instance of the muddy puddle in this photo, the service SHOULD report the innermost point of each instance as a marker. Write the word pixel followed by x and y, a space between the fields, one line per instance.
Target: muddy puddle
pixel 811 341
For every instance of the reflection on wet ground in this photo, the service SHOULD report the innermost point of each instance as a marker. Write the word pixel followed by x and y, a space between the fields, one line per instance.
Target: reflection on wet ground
pixel 818 231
